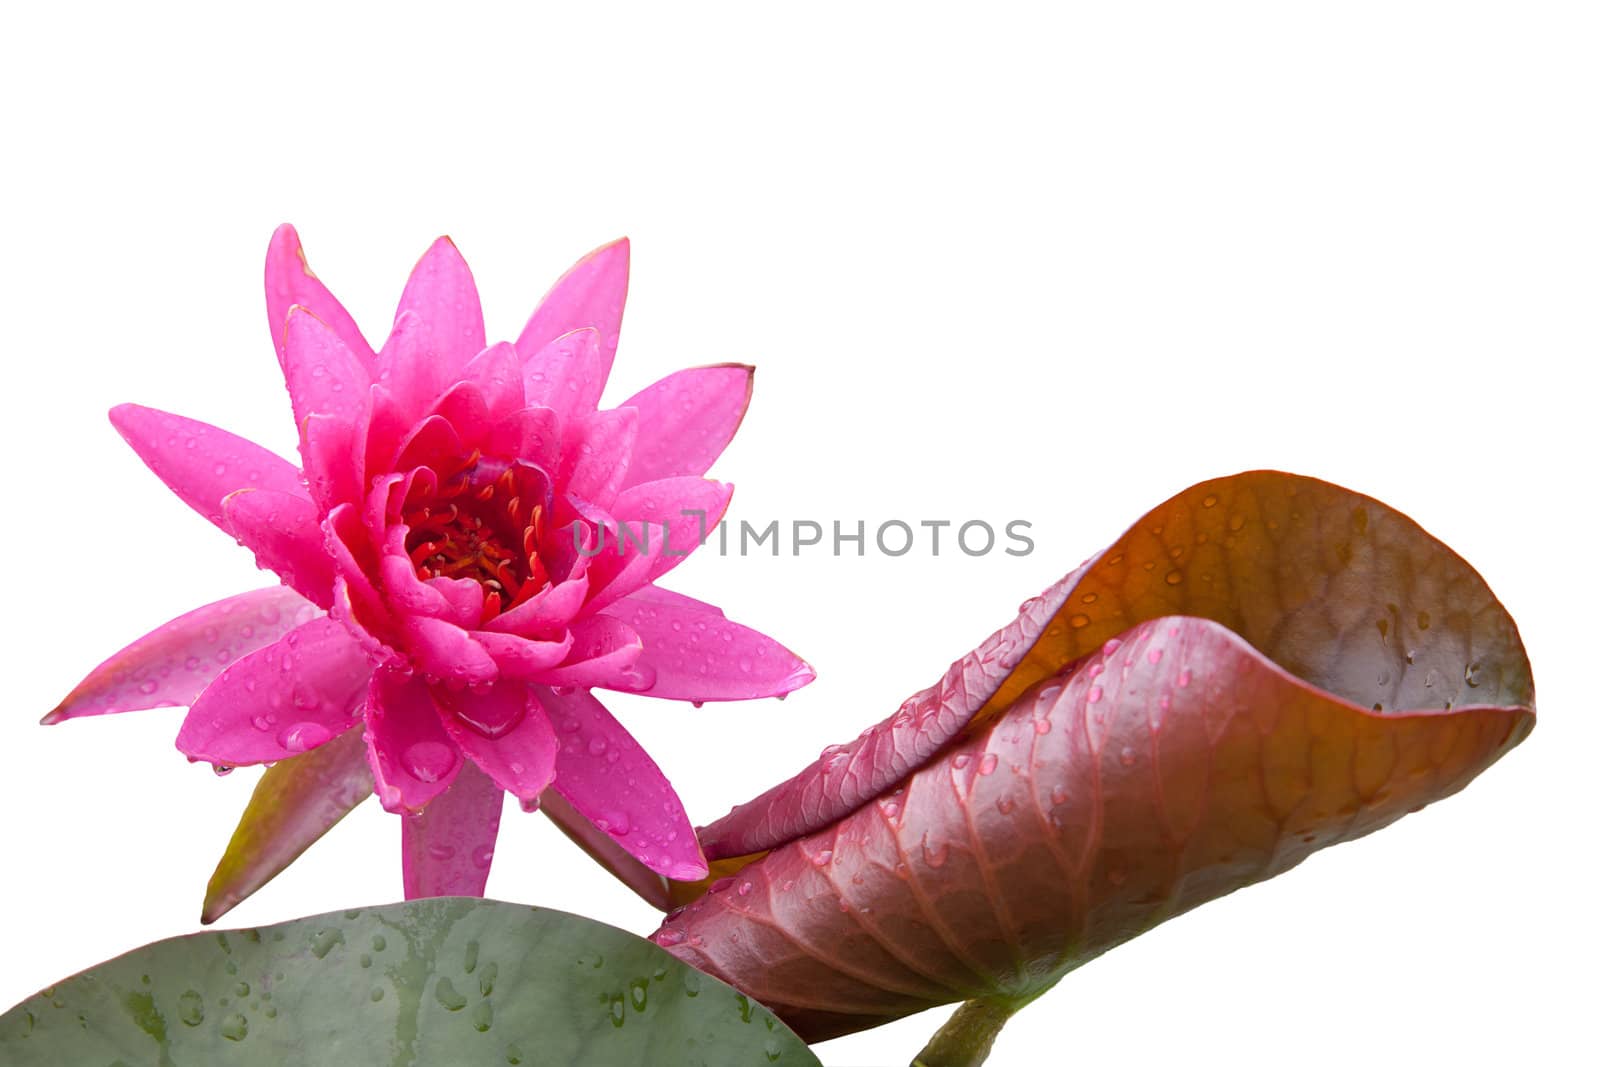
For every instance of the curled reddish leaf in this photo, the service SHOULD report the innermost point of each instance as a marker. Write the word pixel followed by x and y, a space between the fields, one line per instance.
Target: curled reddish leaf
pixel 1262 666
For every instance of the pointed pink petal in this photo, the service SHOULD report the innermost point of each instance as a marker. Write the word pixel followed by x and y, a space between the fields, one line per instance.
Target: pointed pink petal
pixel 449 321
pixel 172 664
pixel 624 562
pixel 363 624
pixel 696 654
pixel 497 372
pixel 453 600
pixel 605 652
pixel 447 847
pixel 331 449
pixel 605 774
pixel 413 760
pixel 444 651
pixel 403 367
pixel 592 293
pixel 281 700
pixel 604 850
pixel 290 282
pixel 201 463
pixel 331 394
pixel 433 442
pixel 654 594
pixel 532 435
pixel 284 533
pixel 638 548
pixel 465 597
pixel 387 426
pixel 465 409
pixel 520 659
pixel 687 419
pixel 323 375
pixel 504 731
pixel 354 559
pixel 595 451
pixel 545 613
pixel 567 375
pixel 404 590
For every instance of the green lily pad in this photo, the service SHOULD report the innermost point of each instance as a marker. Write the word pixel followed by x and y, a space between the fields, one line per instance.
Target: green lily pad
pixel 451 980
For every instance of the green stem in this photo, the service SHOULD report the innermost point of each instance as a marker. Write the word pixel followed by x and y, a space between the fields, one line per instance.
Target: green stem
pixel 965 1040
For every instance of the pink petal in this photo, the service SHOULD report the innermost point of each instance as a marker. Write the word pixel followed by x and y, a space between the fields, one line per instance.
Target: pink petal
pixel 433 442
pixel 604 850
pixel 331 449
pixel 605 652
pixel 697 654
pixel 284 533
pixel 280 700
pixel 413 760
pixel 449 319
pixel 405 591
pixel 520 659
pixel 465 597
pixel 504 731
pixel 465 409
pixel 447 847
pixel 532 435
pixel 654 594
pixel 323 375
pixel 387 426
pixel 605 774
pixel 497 372
pixel 290 282
pixel 330 391
pixel 638 549
pixel 443 650
pixel 363 624
pixel 201 463
pixel 544 613
pixel 687 419
pixel 350 547
pixel 172 664
pixel 595 451
pixel 592 293
pixel 567 375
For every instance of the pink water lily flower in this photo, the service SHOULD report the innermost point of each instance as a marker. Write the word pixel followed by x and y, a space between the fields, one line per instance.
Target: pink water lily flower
pixel 469 547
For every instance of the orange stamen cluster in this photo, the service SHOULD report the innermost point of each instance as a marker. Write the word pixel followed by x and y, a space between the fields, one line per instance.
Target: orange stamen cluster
pixel 483 530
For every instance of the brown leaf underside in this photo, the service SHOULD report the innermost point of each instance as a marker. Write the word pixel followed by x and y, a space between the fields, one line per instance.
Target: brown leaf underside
pixel 1344 669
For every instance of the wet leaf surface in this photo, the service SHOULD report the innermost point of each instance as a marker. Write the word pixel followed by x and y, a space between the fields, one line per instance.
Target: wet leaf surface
pixel 450 980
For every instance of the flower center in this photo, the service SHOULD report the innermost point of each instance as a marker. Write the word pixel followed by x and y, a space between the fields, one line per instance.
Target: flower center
pixel 485 523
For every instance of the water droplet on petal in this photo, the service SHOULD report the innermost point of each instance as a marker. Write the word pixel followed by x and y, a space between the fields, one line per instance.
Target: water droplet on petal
pixel 429 761
pixel 304 736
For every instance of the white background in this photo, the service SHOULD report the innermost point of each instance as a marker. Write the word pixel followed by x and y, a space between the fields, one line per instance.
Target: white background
pixel 1041 263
